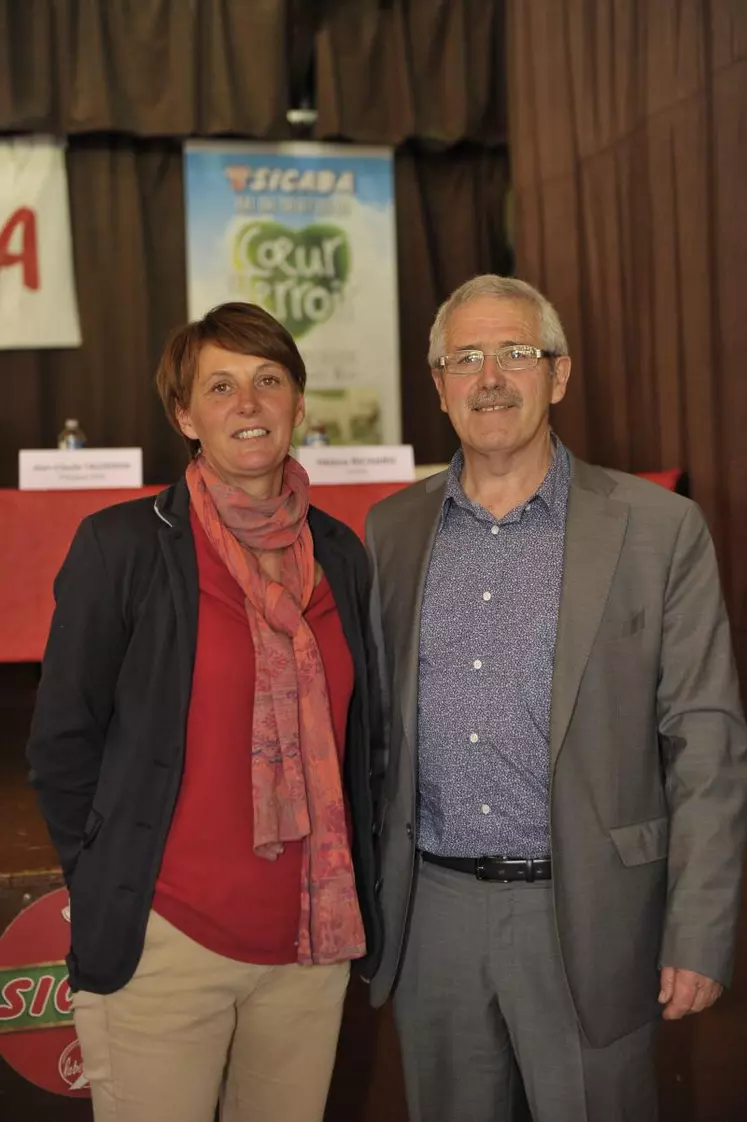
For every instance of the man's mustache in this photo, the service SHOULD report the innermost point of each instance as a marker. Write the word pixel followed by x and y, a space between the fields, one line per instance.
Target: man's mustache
pixel 486 399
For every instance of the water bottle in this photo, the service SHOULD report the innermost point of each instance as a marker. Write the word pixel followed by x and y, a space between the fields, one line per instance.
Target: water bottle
pixel 72 436
pixel 316 435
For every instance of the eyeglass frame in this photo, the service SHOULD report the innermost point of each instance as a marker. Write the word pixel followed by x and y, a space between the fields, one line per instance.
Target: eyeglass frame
pixel 530 350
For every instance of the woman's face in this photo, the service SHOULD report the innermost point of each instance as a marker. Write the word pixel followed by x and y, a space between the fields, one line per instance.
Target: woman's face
pixel 243 411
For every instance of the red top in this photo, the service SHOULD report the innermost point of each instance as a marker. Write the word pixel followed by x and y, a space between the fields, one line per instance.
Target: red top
pixel 212 886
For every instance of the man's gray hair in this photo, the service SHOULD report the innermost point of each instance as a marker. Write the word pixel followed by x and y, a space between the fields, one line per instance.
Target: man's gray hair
pixel 551 338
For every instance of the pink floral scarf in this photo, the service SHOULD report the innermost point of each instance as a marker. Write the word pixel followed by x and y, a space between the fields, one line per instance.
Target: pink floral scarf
pixel 296 781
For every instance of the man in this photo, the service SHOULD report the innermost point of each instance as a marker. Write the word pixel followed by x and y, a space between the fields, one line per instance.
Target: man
pixel 562 816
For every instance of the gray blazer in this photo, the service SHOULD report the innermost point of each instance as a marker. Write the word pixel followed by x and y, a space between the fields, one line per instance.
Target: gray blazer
pixel 648 746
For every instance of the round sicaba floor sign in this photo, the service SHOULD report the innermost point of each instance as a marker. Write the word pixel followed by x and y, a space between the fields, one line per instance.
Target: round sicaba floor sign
pixel 37 1036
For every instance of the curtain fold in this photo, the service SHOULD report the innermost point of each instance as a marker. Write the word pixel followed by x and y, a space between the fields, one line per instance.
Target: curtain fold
pixel 627 140
pixel 387 70
pixel 145 67
pixel 451 210
pixel 431 69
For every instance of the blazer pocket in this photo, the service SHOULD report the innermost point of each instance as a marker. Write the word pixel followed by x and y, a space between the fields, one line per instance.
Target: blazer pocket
pixel 93 825
pixel 623 628
pixel 642 841
pixel 380 817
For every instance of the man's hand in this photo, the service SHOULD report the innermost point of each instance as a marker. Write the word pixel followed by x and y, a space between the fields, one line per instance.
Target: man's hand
pixel 684 991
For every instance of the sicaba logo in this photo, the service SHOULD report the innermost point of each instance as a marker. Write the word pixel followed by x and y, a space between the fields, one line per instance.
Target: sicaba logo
pixel 289 180
pixel 37 1035
pixel 38 998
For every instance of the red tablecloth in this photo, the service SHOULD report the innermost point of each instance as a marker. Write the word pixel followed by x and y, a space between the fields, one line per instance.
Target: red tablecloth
pixel 36 528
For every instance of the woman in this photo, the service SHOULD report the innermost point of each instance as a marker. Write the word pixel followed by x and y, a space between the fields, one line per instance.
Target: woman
pixel 201 746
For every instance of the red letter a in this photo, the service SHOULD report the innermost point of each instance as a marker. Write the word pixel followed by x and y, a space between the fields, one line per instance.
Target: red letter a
pixel 26 219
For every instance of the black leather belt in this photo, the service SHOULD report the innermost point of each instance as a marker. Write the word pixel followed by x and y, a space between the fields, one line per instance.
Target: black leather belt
pixel 496 868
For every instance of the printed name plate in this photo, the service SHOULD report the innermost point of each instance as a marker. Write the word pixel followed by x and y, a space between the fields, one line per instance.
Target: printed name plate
pixel 52 469
pixel 375 463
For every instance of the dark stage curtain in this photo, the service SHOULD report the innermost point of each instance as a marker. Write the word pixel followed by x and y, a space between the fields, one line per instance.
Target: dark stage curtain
pixel 124 80
pixel 148 67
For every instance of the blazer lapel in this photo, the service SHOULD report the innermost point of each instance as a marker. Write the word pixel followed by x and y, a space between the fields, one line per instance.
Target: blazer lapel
pixel 595 529
pixel 411 560
pixel 178 547
pixel 339 573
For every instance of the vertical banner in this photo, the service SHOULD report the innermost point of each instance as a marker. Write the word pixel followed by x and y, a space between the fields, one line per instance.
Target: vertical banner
pixel 38 306
pixel 307 231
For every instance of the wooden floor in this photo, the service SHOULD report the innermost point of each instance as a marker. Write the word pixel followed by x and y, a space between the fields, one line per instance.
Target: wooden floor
pixel 702 1064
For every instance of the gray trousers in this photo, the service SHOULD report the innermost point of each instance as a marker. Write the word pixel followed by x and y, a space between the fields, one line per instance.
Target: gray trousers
pixel 481 992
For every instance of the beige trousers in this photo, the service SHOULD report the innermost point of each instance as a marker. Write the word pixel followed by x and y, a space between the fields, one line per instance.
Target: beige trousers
pixel 192 1028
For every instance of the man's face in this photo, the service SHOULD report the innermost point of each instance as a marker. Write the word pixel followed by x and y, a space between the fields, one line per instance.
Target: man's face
pixel 494 411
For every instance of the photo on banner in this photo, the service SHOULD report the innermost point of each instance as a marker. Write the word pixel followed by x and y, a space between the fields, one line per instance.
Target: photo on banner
pixel 307 231
pixel 38 304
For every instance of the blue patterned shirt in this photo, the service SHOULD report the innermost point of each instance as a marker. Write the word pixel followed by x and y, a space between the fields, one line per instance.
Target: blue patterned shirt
pixel 487 645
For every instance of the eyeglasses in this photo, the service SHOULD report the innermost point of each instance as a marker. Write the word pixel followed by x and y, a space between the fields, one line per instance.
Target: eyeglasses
pixel 513 357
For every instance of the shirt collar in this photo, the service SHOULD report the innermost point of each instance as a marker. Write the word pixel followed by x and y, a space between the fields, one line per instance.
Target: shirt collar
pixel 552 491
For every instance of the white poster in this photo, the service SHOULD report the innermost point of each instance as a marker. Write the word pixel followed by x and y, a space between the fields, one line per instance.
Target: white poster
pixel 307 231
pixel 38 307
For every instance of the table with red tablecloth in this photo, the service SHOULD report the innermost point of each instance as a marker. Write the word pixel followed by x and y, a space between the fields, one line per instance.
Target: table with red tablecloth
pixel 36 528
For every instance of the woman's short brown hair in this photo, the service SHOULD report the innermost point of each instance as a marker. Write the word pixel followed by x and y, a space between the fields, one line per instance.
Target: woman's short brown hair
pixel 246 329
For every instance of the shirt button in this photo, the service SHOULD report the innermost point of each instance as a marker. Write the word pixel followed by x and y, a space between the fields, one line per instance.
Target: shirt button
pixel 495 529
pixel 485 809
pixel 473 738
pixel 477 664
pixel 486 595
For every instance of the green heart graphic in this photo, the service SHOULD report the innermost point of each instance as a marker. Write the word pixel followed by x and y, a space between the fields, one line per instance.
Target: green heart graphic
pixel 298 275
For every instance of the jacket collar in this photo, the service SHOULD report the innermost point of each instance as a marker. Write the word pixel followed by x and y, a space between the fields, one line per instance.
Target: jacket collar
pixel 172 505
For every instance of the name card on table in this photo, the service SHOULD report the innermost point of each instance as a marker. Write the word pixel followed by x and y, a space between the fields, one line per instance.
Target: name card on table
pixel 86 469
pixel 374 463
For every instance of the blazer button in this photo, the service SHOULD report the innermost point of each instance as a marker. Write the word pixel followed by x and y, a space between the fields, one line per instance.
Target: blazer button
pixel 378 885
pixel 408 829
